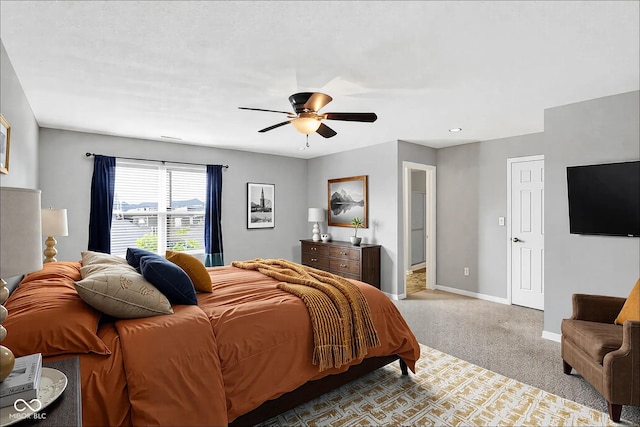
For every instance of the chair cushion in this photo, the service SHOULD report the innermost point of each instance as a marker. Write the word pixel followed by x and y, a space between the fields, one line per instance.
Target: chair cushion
pixel 631 308
pixel 594 338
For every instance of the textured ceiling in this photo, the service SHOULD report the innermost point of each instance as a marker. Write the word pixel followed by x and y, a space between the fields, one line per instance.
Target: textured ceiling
pixel 180 69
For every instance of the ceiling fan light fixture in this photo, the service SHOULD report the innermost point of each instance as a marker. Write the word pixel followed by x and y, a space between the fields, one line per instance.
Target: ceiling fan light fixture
pixel 306 125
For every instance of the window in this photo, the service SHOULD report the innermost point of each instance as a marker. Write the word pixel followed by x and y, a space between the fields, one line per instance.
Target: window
pixel 158 208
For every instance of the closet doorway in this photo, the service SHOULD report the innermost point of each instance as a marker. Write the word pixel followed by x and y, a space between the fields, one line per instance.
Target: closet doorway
pixel 419 224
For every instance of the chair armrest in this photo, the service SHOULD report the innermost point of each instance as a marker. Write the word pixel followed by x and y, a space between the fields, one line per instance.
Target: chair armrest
pixel 622 376
pixel 596 308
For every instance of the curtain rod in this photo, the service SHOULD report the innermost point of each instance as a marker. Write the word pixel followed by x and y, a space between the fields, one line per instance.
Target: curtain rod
pixel 160 161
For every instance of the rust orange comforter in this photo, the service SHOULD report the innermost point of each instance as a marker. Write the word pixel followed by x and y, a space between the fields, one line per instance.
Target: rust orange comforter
pixel 243 344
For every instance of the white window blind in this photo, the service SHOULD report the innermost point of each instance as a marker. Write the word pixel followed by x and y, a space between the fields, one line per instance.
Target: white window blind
pixel 158 208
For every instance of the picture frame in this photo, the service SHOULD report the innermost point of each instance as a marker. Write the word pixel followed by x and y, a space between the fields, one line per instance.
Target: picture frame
pixel 5 140
pixel 260 205
pixel 347 199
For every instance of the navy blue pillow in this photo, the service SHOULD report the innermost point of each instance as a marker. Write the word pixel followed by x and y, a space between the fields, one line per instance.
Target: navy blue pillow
pixel 170 279
pixel 134 254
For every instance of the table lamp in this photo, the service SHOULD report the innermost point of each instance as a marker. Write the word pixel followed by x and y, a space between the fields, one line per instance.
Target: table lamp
pixel 20 246
pixel 54 223
pixel 316 215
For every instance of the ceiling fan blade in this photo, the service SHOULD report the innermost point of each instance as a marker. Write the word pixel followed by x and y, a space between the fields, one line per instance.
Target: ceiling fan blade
pixel 351 117
pixel 275 126
pixel 308 101
pixel 317 101
pixel 326 131
pixel 269 111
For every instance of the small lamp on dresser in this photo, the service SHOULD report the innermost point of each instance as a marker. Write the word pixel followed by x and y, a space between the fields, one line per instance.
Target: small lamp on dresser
pixel 20 250
pixel 316 215
pixel 54 223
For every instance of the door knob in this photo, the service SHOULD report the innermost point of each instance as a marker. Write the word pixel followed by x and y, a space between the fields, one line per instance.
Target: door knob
pixel 516 240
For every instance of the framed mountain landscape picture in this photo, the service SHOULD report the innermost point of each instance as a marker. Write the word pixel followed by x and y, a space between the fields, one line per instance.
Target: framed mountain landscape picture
pixel 347 199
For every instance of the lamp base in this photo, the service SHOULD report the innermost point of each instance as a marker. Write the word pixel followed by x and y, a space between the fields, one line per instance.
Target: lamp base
pixel 316 232
pixel 50 252
pixel 7 360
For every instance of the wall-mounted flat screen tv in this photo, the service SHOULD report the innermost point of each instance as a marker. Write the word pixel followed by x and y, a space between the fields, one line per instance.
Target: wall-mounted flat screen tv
pixel 604 199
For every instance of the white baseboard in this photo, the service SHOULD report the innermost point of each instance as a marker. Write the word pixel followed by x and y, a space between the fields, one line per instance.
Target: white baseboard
pixel 552 336
pixel 394 296
pixel 473 294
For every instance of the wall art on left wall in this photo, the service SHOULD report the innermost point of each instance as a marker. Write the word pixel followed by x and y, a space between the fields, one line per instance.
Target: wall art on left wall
pixel 261 205
pixel 5 139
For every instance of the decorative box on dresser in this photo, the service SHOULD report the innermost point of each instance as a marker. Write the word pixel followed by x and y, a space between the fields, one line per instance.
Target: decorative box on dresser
pixel 344 259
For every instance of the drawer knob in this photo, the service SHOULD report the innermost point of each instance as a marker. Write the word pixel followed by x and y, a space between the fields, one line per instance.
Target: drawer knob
pixel 343 253
pixel 343 265
pixel 314 259
pixel 314 249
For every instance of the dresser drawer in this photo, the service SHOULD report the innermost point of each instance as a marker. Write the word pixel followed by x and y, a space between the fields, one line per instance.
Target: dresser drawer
pixel 348 275
pixel 343 259
pixel 340 266
pixel 312 248
pixel 316 261
pixel 346 253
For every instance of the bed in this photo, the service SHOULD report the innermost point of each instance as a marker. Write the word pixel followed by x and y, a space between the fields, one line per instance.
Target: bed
pixel 242 354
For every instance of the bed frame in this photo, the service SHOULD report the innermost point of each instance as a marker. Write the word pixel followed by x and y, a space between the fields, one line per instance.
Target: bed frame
pixel 313 389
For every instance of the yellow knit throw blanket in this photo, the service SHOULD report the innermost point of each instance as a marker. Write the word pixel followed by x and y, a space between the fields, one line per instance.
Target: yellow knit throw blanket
pixel 340 315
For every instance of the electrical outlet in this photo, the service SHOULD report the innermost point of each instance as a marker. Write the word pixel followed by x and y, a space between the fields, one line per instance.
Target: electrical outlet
pixel 466 271
pixel 500 220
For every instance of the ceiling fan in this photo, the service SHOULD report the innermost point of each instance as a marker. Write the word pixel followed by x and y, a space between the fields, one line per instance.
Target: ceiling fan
pixel 306 118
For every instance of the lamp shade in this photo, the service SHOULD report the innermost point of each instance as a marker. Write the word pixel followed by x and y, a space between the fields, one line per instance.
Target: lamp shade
pixel 316 215
pixel 306 125
pixel 54 222
pixel 20 231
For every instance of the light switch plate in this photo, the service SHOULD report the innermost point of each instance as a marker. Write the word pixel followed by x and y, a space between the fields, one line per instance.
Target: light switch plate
pixel 501 220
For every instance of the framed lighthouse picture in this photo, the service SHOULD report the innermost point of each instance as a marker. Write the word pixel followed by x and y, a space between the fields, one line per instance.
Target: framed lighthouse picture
pixel 261 205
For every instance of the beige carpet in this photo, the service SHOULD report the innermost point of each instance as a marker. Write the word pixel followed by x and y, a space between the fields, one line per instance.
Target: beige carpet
pixel 446 391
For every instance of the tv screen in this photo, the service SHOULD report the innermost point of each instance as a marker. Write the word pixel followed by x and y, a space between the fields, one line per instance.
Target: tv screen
pixel 604 199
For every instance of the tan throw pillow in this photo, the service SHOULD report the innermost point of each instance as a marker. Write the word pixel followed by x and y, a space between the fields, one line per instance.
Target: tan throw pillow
pixel 122 294
pixel 88 270
pixel 91 257
pixel 631 308
pixel 194 268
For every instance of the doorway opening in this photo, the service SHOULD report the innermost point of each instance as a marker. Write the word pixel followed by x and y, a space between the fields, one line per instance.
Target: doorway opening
pixel 419 225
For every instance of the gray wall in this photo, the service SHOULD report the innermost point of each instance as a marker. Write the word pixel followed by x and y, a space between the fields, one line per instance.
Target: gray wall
pixel 66 183
pixel 382 163
pixel 598 131
pixel 472 194
pixel 378 162
pixel 23 150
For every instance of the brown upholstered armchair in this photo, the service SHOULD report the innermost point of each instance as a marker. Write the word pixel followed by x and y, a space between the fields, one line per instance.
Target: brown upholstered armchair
pixel 605 354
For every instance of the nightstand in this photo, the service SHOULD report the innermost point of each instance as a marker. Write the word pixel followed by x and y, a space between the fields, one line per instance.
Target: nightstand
pixel 66 411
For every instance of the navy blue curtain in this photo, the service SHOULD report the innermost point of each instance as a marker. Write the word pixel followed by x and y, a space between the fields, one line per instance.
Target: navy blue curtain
pixel 102 190
pixel 213 217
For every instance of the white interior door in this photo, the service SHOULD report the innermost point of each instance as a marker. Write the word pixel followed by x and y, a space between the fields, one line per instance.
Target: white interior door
pixel 526 219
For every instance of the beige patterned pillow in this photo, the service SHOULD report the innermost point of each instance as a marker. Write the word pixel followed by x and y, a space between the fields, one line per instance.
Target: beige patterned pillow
pixel 122 294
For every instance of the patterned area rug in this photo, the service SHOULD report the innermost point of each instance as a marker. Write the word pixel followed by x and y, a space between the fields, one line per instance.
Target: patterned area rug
pixel 445 391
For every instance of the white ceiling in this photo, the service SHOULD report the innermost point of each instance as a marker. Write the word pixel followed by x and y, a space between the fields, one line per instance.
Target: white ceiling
pixel 180 69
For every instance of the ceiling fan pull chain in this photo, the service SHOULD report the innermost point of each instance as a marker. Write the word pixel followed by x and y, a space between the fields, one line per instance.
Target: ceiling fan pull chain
pixel 307 140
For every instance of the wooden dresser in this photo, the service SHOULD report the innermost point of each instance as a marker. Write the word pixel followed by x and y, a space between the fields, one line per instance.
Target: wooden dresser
pixel 342 258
